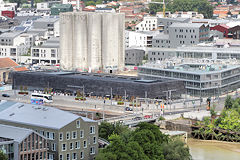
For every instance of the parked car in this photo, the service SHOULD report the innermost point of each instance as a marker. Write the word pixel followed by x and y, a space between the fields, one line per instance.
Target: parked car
pixel 147 116
pixel 5 95
pixel 128 109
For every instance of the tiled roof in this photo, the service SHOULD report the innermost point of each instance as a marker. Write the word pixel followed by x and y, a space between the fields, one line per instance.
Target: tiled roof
pixel 7 63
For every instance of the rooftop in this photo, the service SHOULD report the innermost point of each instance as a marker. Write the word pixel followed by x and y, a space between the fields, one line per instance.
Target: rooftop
pixel 37 115
pixel 187 25
pixel 203 66
pixel 10 34
pixel 176 19
pixel 14 133
pixel 47 19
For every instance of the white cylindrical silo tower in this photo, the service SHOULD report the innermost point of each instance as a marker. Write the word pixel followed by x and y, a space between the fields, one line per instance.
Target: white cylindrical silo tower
pixel 66 40
pixel 94 41
pixel 80 47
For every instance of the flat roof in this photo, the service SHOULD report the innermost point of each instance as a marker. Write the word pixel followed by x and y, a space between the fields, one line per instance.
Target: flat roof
pixel 194 68
pixel 97 77
pixel 187 25
pixel 10 34
pixel 37 115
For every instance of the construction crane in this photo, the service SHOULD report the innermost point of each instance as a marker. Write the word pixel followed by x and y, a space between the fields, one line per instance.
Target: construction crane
pixel 164 6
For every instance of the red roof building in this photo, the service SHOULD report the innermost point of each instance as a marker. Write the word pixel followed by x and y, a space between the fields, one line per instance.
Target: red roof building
pixel 221 28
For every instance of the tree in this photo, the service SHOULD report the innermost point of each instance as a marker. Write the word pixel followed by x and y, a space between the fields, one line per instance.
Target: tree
pixel 228 102
pixel 3 156
pixel 175 150
pixel 144 143
pixel 200 6
pixel 90 3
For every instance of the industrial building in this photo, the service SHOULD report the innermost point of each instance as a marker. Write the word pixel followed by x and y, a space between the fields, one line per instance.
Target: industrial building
pixel 202 77
pixel 97 84
pixel 69 136
pixel 92 41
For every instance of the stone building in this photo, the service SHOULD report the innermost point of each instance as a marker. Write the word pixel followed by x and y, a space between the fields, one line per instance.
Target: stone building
pixel 20 143
pixel 69 136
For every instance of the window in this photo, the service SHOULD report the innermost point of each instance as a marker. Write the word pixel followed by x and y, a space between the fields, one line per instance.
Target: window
pixel 74 134
pixel 60 157
pixel 81 134
pixel 81 155
pixel 74 156
pixel 51 135
pixel 68 156
pixel 92 150
pixel 71 146
pixel 78 124
pixel 47 135
pixel 68 135
pixel 42 133
pixel 60 136
pixel 63 147
pixel 84 144
pixel 77 144
pixel 53 146
pixel 94 140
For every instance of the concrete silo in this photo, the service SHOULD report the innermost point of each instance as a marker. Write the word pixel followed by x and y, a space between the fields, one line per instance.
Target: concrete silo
pixel 92 41
pixel 80 44
pixel 66 41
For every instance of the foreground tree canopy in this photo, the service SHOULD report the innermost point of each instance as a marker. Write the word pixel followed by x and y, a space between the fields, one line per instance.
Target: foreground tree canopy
pixel 146 142
pixel 200 6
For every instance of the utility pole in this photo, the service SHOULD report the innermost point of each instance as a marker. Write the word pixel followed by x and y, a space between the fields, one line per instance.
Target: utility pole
pixel 170 95
pixel 103 109
pixel 111 96
pixel 125 98
pixel 218 93
pixel 200 95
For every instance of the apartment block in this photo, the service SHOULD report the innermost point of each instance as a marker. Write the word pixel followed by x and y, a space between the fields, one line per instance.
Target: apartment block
pixel 47 53
pixel 188 33
pixel 164 23
pixel 148 24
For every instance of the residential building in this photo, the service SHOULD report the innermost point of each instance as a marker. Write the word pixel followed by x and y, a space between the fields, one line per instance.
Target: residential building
pixel 161 40
pixel 182 34
pixel 102 10
pixel 222 28
pixel 43 6
pixel 139 38
pixel 20 143
pixel 92 41
pixel 69 136
pixel 164 23
pixel 148 24
pixel 8 38
pixel 56 9
pixel 134 56
pixel 188 34
pixel 47 53
pixel 49 23
pixel 202 77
